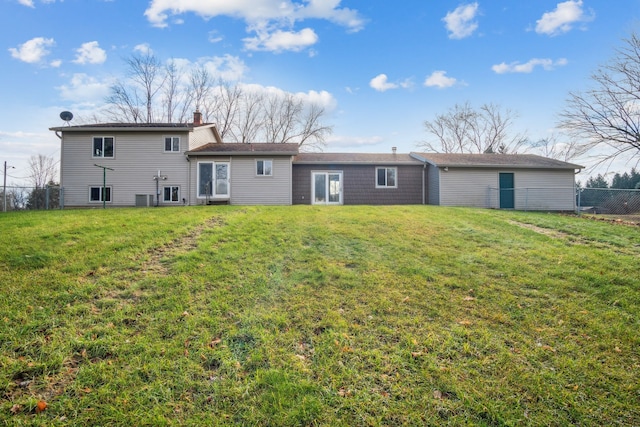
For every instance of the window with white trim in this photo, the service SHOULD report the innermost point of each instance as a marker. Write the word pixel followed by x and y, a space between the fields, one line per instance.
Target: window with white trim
pixel 171 194
pixel 172 144
pixel 213 179
pixel 96 194
pixel 264 167
pixel 386 177
pixel 103 146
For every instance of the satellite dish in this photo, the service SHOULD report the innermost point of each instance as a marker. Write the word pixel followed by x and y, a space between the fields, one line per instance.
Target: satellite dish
pixel 66 116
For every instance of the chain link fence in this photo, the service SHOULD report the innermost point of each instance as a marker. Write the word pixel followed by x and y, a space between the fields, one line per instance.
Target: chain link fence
pixel 609 203
pixel 31 198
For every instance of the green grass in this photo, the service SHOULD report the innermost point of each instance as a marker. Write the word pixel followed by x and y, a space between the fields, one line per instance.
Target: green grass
pixel 406 315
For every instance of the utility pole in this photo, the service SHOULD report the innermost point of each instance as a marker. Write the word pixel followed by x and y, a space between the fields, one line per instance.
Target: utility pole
pixel 104 184
pixel 4 186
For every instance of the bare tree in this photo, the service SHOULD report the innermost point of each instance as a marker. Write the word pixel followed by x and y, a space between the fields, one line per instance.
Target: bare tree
pixel 147 72
pixel 42 170
pixel 250 117
pixel 153 92
pixel 225 107
pixel 464 129
pixel 133 101
pixel 170 91
pixel 123 104
pixel 606 118
pixel 555 148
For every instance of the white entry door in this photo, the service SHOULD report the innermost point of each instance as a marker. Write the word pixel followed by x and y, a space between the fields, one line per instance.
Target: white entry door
pixel 326 188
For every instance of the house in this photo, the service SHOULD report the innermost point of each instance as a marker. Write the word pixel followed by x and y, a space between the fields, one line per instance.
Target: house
pixel 358 178
pixel 128 164
pixel 125 164
pixel 504 181
pixel 241 174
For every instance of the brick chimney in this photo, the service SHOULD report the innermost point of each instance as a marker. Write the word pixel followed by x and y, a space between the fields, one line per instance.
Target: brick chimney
pixel 197 118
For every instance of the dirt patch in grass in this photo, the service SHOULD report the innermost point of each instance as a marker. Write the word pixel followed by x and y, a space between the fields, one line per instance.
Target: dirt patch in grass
pixel 541 230
pixel 182 244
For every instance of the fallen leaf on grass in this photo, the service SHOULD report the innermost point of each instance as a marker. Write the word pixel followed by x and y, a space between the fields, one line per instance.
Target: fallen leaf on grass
pixel 405 299
pixel 15 409
pixel 215 342
pixel 437 394
pixel 344 392
pixel 416 354
pixel 464 322
pixel 548 347
pixel 469 298
pixel 41 406
pixel 617 349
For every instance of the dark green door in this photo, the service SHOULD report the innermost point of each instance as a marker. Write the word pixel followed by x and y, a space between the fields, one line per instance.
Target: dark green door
pixel 506 191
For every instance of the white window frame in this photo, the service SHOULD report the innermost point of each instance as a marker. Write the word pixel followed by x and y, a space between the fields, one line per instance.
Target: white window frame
pixel 213 194
pixel 164 194
pixel 102 156
pixel 386 176
pixel 100 188
pixel 173 141
pixel 264 163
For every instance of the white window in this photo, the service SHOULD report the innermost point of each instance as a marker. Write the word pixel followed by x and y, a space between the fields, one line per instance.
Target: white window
pixel 213 179
pixel 172 144
pixel 386 177
pixel 171 194
pixel 103 146
pixel 100 194
pixel 264 167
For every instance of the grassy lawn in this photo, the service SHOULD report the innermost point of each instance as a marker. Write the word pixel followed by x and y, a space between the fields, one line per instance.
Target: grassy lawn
pixel 406 315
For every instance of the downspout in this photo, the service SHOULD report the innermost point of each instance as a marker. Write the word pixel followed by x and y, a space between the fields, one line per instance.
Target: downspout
pixel 188 180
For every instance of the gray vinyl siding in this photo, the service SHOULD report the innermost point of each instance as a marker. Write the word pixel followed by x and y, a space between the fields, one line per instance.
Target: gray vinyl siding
pixel 249 189
pixel 545 190
pixel 359 184
pixel 535 189
pixel 245 188
pixel 200 136
pixel 137 159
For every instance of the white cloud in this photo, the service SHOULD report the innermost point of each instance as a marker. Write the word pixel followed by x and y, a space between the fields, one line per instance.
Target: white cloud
pixel 32 51
pixel 28 3
pixel 143 48
pixel 255 11
pixel 461 22
pixel 440 80
pixel 562 19
pixel 271 20
pixel 56 63
pixel 381 83
pixel 279 40
pixel 84 89
pixel 527 67
pixel 214 37
pixel 90 53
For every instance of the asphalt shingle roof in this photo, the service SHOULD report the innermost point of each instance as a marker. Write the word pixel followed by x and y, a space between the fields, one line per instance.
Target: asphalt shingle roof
pixel 247 149
pixel 354 158
pixel 519 161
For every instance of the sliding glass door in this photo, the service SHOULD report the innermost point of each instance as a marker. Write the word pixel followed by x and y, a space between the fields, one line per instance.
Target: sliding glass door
pixel 326 188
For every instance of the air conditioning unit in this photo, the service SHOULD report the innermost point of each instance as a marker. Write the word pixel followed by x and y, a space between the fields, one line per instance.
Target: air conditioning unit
pixel 144 200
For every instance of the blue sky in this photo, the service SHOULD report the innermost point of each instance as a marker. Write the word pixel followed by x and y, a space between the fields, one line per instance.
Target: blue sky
pixel 381 68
